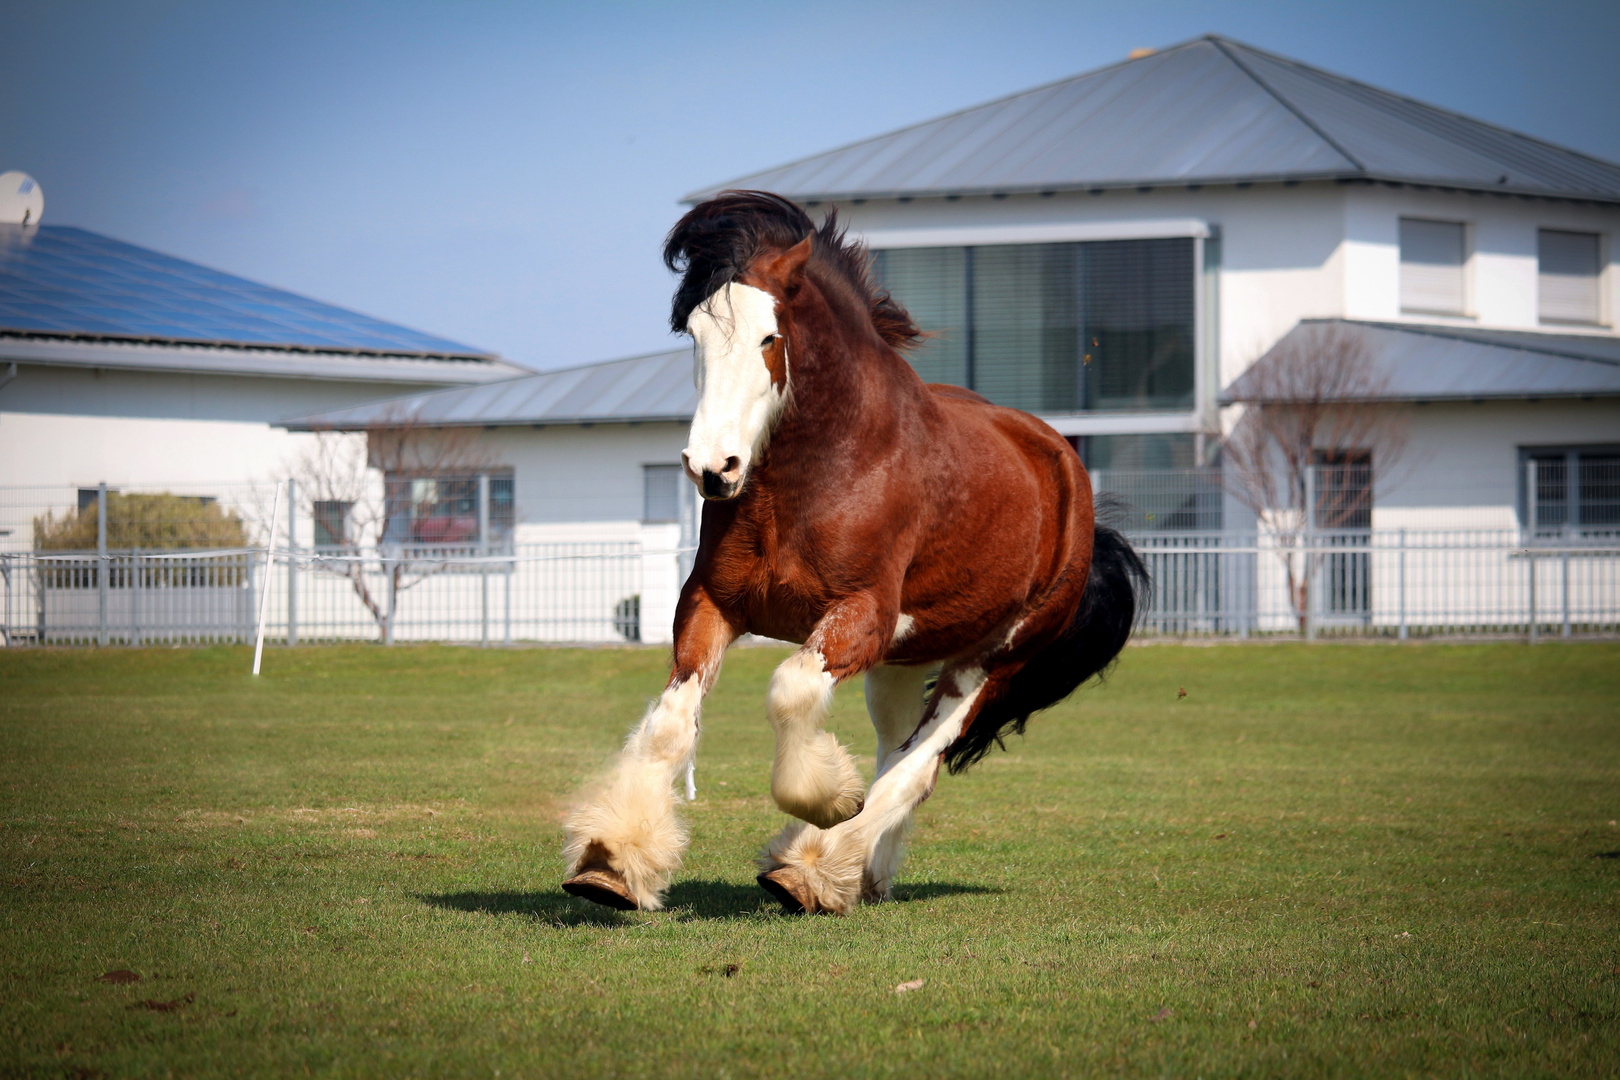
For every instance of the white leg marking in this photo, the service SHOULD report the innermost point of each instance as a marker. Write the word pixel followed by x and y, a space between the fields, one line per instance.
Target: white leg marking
pixel 813 777
pixel 632 814
pixel 835 861
pixel 895 700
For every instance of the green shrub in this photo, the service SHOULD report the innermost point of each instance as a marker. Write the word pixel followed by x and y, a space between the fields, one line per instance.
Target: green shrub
pixel 162 521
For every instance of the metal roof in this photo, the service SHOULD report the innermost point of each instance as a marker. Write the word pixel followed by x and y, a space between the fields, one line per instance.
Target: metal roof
pixel 272 363
pixel 1208 111
pixel 59 281
pixel 1421 362
pixel 648 388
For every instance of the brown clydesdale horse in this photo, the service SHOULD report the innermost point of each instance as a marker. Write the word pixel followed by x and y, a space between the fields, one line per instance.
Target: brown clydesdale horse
pixel 940 545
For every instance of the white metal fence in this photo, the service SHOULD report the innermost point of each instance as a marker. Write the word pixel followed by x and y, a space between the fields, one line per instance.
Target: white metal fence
pixel 493 575
pixel 1398 583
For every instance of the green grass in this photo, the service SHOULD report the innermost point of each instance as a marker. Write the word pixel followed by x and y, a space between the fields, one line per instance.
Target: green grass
pixel 1331 860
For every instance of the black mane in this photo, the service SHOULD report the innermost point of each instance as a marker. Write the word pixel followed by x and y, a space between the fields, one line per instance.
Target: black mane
pixel 716 240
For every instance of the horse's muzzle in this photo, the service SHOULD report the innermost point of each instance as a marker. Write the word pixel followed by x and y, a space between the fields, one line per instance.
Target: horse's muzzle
pixel 717 487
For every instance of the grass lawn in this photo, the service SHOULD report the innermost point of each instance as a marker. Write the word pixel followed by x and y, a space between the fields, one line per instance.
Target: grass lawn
pixel 1323 860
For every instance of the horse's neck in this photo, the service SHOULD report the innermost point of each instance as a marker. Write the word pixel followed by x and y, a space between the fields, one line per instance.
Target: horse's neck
pixel 849 382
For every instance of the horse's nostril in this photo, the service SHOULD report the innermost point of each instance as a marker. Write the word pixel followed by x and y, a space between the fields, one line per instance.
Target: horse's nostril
pixel 714 486
pixel 732 465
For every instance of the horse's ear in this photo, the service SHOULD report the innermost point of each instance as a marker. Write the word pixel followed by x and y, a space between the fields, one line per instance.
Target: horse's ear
pixel 785 269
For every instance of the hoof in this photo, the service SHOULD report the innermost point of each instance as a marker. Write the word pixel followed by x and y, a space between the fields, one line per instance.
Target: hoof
pixel 603 886
pixel 599 883
pixel 789 887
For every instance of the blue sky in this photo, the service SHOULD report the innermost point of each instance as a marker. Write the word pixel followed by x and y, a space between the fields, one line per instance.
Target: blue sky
pixel 502 174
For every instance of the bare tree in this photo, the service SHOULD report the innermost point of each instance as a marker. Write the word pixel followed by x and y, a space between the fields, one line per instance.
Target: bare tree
pixel 373 495
pixel 1316 408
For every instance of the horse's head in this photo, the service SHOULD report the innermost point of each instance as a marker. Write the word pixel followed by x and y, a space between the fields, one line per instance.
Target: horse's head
pixel 743 338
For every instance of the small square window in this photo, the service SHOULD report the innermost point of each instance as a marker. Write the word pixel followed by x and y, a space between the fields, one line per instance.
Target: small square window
pixel 1567 282
pixel 331 519
pixel 1433 254
pixel 660 493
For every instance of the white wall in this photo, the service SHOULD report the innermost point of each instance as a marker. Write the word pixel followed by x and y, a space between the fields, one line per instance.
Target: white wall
pixel 575 473
pixel 1460 466
pixel 1502 265
pixel 75 426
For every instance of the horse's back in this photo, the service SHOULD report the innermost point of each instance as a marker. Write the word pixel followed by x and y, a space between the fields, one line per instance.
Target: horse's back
pixel 1022 496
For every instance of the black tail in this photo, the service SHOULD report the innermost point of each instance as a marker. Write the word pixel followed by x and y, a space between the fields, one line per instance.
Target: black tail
pixel 1093 640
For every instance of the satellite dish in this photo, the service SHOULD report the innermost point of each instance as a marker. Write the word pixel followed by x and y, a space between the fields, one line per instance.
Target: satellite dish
pixel 21 200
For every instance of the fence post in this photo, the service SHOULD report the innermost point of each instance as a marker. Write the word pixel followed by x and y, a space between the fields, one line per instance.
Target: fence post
pixel 483 554
pixel 101 562
pixel 1564 579
pixel 135 587
pixel 1307 538
pixel 1530 494
pixel 292 562
pixel 1400 584
pixel 390 568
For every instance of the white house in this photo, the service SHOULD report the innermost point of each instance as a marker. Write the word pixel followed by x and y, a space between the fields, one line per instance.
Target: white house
pixel 146 372
pixel 1114 251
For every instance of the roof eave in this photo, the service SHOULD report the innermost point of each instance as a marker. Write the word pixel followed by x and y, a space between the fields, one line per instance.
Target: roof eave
pixel 1076 186
pixel 1421 399
pixel 314 423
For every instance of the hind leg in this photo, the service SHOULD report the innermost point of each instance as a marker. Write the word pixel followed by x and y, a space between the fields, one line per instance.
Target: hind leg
pixel 895 699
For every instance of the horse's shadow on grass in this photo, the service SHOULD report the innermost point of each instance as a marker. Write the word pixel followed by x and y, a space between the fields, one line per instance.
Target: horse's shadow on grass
pixel 685 900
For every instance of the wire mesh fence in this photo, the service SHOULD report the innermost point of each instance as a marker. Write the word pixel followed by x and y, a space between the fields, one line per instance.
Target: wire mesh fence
pixel 467 560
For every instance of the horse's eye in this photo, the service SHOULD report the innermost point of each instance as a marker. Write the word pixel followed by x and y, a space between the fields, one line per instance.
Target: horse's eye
pixel 770 339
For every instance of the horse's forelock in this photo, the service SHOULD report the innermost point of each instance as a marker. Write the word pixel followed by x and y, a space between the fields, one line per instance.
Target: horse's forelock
pixel 716 240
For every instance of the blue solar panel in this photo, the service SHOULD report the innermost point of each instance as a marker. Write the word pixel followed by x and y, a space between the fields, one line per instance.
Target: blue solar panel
pixel 55 279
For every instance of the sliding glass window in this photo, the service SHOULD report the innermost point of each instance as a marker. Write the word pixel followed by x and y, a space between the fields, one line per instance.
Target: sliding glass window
pixel 1054 328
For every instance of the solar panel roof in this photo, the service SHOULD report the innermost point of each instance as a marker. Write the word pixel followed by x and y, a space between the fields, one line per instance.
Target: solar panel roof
pixel 59 280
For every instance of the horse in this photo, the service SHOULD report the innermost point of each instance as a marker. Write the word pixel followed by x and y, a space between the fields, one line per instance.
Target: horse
pixel 944 547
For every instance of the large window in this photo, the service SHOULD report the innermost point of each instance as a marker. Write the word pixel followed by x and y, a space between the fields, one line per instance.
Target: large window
pixel 1576 488
pixel 1054 328
pixel 1568 277
pixel 1433 254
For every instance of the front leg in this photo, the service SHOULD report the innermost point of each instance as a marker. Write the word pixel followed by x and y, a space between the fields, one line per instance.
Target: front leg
pixel 624 840
pixel 811 869
pixel 813 777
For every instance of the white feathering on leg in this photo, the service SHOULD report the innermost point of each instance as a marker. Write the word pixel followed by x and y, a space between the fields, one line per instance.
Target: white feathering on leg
pixel 632 815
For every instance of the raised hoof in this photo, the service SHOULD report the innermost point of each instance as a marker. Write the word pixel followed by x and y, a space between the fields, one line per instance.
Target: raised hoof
pixel 605 886
pixel 789 887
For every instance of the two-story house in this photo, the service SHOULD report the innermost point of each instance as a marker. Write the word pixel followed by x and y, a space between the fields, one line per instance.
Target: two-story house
pixel 1113 252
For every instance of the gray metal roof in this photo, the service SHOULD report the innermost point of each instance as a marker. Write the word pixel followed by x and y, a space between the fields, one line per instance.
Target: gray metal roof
pixel 1421 362
pixel 647 388
pixel 1208 111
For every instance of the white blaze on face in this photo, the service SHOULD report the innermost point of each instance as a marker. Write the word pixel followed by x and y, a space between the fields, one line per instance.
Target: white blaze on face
pixel 737 402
